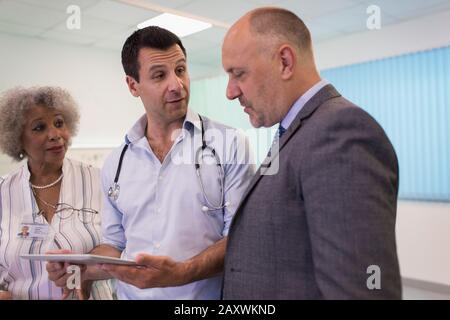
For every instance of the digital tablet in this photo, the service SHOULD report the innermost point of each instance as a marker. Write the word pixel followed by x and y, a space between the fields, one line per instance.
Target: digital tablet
pixel 78 259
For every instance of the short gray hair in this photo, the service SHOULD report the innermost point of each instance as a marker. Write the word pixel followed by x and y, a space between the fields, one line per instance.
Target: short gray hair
pixel 14 105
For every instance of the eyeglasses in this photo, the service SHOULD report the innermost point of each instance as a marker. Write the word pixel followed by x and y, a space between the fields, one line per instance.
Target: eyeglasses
pixel 65 211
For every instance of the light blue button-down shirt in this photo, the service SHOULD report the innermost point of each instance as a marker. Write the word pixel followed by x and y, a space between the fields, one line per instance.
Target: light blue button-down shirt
pixel 159 208
pixel 300 103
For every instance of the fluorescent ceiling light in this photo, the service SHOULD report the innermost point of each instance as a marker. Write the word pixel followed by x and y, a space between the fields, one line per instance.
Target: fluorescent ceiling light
pixel 179 25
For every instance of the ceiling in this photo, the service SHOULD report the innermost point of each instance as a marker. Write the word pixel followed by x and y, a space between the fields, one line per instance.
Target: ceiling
pixel 105 24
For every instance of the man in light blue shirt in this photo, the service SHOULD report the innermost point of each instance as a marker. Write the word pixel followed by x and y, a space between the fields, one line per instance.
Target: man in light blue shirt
pixel 161 209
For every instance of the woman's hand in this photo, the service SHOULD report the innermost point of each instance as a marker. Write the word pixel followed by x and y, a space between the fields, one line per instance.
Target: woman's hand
pixel 83 293
pixel 5 295
pixel 57 272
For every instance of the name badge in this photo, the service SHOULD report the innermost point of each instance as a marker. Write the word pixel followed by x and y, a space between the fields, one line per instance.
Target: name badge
pixel 33 231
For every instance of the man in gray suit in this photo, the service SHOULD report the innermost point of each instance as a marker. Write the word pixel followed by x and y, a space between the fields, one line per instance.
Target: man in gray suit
pixel 323 226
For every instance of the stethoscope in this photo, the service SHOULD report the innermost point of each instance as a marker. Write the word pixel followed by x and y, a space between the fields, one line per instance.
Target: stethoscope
pixel 114 189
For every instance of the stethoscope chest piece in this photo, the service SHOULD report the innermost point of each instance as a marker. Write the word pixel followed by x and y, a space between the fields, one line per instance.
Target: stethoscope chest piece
pixel 114 191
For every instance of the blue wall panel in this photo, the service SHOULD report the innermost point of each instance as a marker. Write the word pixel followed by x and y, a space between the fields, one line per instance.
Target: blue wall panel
pixel 409 96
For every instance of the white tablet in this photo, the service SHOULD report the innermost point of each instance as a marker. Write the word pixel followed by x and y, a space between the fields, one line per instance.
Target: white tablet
pixel 78 259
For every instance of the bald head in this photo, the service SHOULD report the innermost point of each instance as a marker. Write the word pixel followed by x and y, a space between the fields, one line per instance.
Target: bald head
pixel 267 55
pixel 279 25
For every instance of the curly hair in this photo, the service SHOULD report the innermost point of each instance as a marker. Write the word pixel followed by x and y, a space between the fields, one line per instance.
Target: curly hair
pixel 14 106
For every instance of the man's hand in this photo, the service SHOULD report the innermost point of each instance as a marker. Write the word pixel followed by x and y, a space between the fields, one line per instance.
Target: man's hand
pixel 161 271
pixel 153 271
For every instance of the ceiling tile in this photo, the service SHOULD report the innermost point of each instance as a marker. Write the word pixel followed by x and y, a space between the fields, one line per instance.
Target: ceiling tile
pixel 219 10
pixel 443 7
pixel 17 29
pixel 28 15
pixel 119 13
pixel 321 32
pixel 109 45
pixel 59 5
pixel 312 9
pixel 93 28
pixel 67 37
pixel 265 2
pixel 327 36
pixel 120 36
pixel 106 24
pixel 407 9
pixel 349 20
pixel 116 40
pixel 171 3
pixel 213 35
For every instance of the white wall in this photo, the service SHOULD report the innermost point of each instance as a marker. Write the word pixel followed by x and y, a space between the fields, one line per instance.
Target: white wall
pixel 429 32
pixel 92 156
pixel 94 77
pixel 423 240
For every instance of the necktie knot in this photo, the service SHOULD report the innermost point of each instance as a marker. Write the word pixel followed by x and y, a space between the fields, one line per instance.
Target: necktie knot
pixel 276 140
pixel 281 131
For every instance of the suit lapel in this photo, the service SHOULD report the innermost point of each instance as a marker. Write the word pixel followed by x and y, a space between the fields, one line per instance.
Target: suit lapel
pixel 324 94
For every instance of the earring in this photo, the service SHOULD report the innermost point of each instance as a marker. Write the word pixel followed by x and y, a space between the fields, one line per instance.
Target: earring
pixel 21 155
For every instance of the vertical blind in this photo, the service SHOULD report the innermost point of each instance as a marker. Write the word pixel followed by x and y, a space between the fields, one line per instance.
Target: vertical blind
pixel 409 96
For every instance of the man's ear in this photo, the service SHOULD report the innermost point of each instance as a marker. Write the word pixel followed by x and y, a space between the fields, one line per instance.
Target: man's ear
pixel 288 61
pixel 132 85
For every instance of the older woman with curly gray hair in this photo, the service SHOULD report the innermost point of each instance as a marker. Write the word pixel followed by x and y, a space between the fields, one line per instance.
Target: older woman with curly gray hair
pixel 55 199
pixel 15 106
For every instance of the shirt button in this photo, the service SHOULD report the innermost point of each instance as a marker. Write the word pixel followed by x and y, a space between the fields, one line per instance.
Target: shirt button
pixel 156 244
pixel 158 210
pixel 160 178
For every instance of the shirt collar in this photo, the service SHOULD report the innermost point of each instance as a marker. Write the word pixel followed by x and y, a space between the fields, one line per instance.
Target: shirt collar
pixel 137 131
pixel 192 118
pixel 300 103
pixel 26 174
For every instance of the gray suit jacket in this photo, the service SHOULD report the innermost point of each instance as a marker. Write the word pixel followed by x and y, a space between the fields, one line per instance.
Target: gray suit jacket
pixel 312 230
